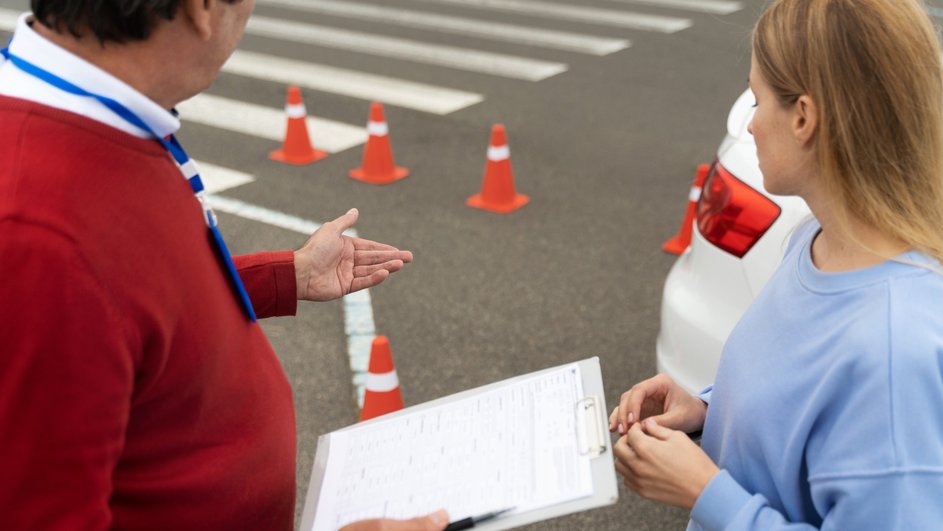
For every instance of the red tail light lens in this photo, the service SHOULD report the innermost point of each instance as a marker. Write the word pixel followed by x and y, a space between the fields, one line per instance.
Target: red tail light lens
pixel 731 214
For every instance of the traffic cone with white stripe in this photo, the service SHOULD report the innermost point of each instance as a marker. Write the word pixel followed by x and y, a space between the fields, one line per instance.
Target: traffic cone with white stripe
pixel 497 190
pixel 382 394
pixel 378 166
pixel 682 240
pixel 297 146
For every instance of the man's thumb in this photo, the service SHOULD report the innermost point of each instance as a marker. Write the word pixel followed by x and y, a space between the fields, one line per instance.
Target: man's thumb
pixel 432 522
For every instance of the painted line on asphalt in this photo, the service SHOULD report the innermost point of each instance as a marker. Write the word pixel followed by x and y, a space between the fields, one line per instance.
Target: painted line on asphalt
pixel 351 83
pixel 217 178
pixel 268 123
pixel 495 64
pixel 560 40
pixel 607 17
pixel 359 325
pixel 716 7
pixel 8 19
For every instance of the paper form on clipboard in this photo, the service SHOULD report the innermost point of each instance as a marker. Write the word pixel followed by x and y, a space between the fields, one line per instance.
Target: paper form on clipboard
pixel 521 443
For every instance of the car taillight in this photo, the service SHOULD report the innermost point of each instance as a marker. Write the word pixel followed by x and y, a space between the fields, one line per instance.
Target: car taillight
pixel 731 214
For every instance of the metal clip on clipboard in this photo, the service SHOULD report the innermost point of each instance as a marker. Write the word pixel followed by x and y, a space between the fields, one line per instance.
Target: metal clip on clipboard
pixel 590 428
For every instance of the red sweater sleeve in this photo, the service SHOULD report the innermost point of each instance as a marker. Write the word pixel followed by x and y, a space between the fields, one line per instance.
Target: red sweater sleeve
pixel 63 410
pixel 270 280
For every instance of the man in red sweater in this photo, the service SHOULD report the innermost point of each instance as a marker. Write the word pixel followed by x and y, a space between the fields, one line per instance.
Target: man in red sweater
pixel 135 391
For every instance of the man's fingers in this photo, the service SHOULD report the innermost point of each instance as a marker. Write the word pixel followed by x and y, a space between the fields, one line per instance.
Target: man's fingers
pixel 392 266
pixel 433 522
pixel 369 281
pixel 361 244
pixel 379 257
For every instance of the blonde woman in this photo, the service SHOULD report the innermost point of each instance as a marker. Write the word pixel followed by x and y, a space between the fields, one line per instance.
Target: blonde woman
pixel 827 408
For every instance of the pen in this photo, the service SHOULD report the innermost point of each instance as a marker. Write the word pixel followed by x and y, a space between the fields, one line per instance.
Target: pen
pixel 468 523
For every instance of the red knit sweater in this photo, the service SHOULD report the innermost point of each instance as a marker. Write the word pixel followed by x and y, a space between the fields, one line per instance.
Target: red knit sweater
pixel 134 392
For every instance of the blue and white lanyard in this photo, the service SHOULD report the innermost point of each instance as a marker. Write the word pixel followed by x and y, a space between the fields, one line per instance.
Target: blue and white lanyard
pixel 187 167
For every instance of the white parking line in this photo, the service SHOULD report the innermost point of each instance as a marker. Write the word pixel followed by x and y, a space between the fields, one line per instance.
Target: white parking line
pixel 418 96
pixel 217 178
pixel 574 42
pixel 495 64
pixel 607 17
pixel 358 309
pixel 265 122
pixel 8 18
pixel 716 7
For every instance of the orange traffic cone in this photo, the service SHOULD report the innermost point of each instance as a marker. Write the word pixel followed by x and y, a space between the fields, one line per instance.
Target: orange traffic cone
pixel 382 390
pixel 497 191
pixel 682 240
pixel 378 166
pixel 297 146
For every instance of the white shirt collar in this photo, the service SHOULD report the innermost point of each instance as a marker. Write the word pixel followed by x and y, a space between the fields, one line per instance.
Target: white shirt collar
pixel 32 47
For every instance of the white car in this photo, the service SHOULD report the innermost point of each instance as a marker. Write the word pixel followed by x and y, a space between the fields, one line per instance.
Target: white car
pixel 739 238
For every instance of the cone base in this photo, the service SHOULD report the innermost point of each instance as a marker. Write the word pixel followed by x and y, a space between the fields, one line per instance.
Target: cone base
pixel 397 174
pixel 674 246
pixel 298 160
pixel 477 201
pixel 376 404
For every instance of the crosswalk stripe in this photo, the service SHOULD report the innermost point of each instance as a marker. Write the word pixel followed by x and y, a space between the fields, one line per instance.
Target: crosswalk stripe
pixel 608 17
pixel 417 96
pixel 421 52
pixel 574 42
pixel 8 18
pixel 716 7
pixel 218 178
pixel 265 122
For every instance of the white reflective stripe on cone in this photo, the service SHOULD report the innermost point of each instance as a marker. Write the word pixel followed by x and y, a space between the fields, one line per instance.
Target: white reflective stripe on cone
pixel 499 153
pixel 695 194
pixel 296 110
pixel 377 128
pixel 382 383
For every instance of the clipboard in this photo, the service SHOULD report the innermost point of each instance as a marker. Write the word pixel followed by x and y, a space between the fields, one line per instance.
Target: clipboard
pixel 593 442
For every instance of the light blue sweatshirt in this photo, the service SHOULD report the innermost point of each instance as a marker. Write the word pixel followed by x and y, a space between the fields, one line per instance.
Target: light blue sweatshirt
pixel 827 408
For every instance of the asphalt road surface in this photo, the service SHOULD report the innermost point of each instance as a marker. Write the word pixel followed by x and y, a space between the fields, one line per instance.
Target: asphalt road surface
pixel 604 137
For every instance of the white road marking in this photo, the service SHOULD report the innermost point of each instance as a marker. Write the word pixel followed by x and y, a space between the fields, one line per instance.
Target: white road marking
pixel 265 122
pixel 358 308
pixel 716 7
pixel 8 19
pixel 495 64
pixel 574 42
pixel 370 87
pixel 608 17
pixel 217 178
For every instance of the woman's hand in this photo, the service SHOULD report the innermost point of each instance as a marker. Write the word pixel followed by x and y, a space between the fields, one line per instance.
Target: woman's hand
pixel 663 400
pixel 663 465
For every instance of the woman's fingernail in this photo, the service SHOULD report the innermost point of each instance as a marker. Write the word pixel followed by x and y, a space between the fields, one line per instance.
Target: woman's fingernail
pixel 631 417
pixel 621 429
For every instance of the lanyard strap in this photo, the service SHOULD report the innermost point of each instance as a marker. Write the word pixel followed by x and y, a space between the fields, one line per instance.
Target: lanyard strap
pixel 187 167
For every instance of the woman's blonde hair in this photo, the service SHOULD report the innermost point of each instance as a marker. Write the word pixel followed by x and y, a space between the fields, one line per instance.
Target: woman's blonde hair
pixel 873 69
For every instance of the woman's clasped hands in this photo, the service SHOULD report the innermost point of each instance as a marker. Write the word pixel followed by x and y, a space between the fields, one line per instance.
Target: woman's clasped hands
pixel 655 456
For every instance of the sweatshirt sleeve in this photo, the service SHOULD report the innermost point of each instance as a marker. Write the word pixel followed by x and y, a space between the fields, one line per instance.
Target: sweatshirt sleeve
pixel 269 279
pixel 889 499
pixel 66 381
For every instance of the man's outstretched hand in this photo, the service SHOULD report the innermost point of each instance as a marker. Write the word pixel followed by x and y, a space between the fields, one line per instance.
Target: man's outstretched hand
pixel 331 265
